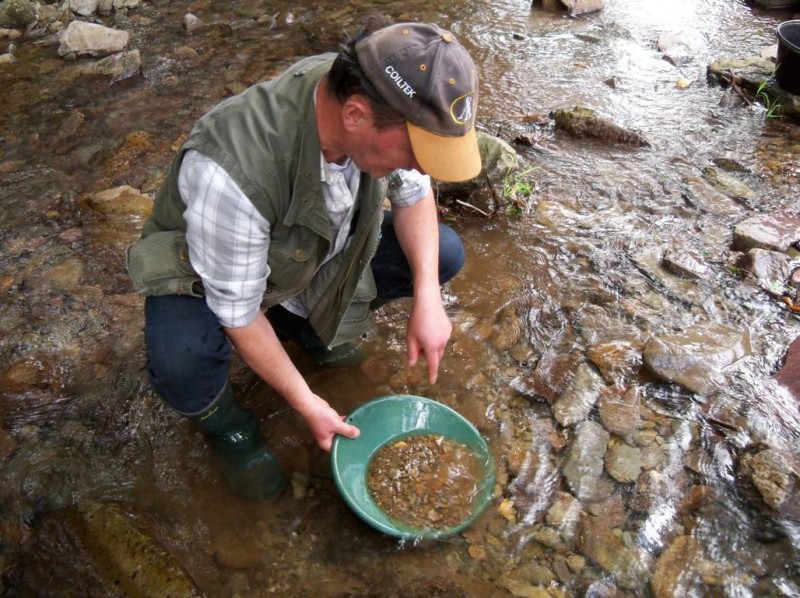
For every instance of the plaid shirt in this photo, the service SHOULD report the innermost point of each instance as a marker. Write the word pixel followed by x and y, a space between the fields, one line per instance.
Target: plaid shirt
pixel 229 239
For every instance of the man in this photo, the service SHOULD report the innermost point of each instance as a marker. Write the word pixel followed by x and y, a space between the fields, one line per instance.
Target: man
pixel 269 226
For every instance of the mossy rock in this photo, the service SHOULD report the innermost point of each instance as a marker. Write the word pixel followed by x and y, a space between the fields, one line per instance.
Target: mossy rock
pixel 16 14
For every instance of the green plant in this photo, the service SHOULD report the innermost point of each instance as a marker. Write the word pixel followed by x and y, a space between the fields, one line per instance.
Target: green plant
pixel 774 108
pixel 736 271
pixel 517 191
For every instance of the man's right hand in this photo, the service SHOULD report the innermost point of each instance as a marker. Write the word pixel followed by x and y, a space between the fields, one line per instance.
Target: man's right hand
pixel 325 423
pixel 260 348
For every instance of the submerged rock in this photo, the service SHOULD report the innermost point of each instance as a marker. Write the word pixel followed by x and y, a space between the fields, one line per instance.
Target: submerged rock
pixel 617 359
pixel 695 359
pixel 676 571
pixel 577 401
pixel 553 373
pixel 623 462
pixel 583 464
pixel 630 567
pixel 112 553
pixel 701 195
pixel 730 185
pixel 122 65
pixel 620 410
pixel 776 479
pixel 121 201
pixel 584 122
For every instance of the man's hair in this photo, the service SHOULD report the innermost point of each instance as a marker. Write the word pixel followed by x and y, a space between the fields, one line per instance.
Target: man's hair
pixel 347 78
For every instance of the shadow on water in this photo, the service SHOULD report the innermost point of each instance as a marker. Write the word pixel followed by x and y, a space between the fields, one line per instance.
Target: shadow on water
pixel 634 489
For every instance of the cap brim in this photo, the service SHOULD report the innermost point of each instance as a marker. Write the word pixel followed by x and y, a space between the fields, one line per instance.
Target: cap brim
pixel 447 159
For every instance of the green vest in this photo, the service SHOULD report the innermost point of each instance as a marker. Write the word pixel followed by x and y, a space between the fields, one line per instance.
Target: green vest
pixel 266 140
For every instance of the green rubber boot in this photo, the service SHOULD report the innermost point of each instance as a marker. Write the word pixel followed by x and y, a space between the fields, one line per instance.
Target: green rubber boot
pixel 233 433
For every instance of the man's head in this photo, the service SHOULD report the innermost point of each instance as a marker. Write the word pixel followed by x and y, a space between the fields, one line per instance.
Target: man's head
pixel 419 75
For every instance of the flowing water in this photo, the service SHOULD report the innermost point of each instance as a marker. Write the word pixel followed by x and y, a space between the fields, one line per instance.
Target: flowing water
pixel 572 272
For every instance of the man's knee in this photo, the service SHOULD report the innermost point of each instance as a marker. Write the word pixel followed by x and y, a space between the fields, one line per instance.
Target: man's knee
pixel 187 352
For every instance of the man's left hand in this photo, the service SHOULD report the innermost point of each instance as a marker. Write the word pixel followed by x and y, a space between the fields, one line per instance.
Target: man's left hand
pixel 429 330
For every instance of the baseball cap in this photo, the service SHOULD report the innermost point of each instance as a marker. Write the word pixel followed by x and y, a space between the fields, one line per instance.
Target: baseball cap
pixel 427 76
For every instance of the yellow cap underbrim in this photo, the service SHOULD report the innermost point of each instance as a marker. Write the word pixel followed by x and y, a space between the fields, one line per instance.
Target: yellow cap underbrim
pixel 446 159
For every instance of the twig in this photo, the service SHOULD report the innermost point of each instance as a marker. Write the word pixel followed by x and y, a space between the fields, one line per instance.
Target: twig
pixel 491 188
pixel 469 205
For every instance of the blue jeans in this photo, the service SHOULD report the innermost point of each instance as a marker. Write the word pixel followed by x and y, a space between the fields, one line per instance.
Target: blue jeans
pixel 188 352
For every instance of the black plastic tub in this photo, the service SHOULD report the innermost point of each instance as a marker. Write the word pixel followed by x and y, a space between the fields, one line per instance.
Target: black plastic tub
pixel 788 70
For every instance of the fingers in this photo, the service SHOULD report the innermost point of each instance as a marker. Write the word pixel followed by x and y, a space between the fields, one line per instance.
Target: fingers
pixel 413 352
pixel 325 443
pixel 433 365
pixel 348 430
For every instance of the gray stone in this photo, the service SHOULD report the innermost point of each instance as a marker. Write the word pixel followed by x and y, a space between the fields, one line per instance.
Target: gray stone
pixel 730 185
pixel 623 462
pixel 620 411
pixel 703 196
pixel 577 401
pixel 579 7
pixel 90 39
pixel 84 8
pixel 122 65
pixel 685 265
pixel 696 357
pixel 775 232
pixel 191 23
pixel 583 464
pixel 770 269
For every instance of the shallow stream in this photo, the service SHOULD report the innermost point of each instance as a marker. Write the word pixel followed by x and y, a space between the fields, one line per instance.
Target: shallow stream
pixel 575 269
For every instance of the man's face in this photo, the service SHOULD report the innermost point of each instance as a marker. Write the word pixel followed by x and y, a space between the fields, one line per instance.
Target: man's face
pixel 378 152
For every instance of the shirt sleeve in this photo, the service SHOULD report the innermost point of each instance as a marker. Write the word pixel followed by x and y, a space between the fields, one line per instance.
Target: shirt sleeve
pixel 407 187
pixel 228 240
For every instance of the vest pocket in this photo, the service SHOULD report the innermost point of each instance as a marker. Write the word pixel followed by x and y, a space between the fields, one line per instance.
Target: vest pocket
pixel 289 269
pixel 159 265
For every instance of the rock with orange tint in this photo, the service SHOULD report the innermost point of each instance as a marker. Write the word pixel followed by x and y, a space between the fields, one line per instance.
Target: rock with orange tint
pixel 789 374
pixel 121 201
pixel 29 373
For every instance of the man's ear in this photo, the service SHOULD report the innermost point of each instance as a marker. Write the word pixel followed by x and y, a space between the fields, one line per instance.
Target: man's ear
pixel 356 111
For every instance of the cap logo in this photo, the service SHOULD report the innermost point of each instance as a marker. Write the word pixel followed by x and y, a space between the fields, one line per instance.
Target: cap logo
pixel 399 81
pixel 461 109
